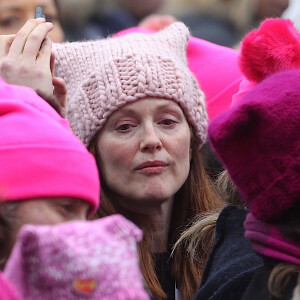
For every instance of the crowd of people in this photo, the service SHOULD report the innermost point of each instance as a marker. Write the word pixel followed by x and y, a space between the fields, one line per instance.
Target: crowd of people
pixel 141 159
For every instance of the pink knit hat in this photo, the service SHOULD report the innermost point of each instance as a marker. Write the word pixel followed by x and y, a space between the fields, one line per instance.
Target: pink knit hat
pixel 7 291
pixel 258 140
pixel 215 68
pixel 273 47
pixel 39 155
pixel 78 260
pixel 103 75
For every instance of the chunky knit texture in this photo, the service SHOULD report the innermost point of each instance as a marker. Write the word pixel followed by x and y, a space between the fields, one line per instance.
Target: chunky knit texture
pixel 215 68
pixel 258 141
pixel 104 75
pixel 39 155
pixel 78 260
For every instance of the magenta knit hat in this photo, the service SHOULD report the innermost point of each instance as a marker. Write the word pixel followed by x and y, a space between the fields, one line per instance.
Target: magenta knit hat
pixel 39 155
pixel 78 260
pixel 7 291
pixel 258 140
pixel 215 68
pixel 103 75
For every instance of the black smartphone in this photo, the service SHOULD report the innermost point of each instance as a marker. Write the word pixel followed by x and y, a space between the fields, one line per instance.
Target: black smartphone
pixel 39 13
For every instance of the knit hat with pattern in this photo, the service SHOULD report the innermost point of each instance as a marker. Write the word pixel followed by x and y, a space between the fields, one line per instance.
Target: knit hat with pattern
pixel 39 155
pixel 258 141
pixel 78 260
pixel 104 75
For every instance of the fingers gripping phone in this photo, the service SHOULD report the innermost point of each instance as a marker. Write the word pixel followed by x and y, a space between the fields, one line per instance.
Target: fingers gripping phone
pixel 39 13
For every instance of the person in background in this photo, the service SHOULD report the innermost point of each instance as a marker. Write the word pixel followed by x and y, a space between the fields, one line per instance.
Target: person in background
pixel 266 118
pixel 135 104
pixel 26 59
pixel 15 13
pixel 224 22
pixel 94 19
pixel 77 260
pixel 293 13
pixel 232 261
pixel 272 48
pixel 47 176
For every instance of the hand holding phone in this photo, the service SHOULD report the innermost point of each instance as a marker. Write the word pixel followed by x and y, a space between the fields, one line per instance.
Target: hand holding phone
pixel 39 13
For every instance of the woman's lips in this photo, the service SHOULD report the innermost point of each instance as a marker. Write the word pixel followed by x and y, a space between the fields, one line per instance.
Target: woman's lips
pixel 152 167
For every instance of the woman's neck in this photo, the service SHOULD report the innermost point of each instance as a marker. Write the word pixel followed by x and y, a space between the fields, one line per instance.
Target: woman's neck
pixel 160 223
pixel 157 216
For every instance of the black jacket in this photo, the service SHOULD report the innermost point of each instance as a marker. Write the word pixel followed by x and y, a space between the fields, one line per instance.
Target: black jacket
pixel 232 262
pixel 258 287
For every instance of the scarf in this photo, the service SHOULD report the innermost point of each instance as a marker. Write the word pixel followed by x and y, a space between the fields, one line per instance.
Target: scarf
pixel 268 241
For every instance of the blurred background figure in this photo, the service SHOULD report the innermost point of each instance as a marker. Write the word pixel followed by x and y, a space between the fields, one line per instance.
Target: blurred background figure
pixel 293 12
pixel 92 19
pixel 224 22
pixel 15 13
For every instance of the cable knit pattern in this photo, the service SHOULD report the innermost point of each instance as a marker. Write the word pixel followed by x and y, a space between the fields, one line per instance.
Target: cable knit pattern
pixel 78 260
pixel 104 75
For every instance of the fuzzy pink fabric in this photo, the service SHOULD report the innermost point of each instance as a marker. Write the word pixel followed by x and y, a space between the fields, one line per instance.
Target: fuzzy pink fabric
pixel 268 241
pixel 273 47
pixel 258 142
pixel 103 75
pixel 7 291
pixel 78 260
pixel 215 68
pixel 39 154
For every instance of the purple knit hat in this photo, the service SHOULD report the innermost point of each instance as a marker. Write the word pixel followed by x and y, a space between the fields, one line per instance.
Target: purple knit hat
pixel 258 140
pixel 104 75
pixel 78 260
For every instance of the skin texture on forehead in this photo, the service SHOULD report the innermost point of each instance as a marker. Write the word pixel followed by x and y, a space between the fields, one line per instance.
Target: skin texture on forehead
pixel 15 13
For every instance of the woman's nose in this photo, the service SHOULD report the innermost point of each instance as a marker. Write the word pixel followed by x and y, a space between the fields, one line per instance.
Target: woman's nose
pixel 150 139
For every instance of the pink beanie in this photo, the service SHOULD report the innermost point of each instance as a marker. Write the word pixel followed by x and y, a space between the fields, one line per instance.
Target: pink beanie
pixel 273 47
pixel 78 260
pixel 215 68
pixel 103 75
pixel 7 291
pixel 39 155
pixel 258 141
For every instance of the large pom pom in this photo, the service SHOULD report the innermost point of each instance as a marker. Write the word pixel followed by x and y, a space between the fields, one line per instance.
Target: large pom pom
pixel 273 47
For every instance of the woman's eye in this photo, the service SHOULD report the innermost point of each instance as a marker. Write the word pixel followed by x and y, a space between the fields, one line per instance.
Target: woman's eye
pixel 67 207
pixel 168 122
pixel 123 127
pixel 10 21
pixel 51 18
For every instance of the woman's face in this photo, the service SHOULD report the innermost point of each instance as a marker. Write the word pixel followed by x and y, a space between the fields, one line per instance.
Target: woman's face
pixel 14 14
pixel 50 211
pixel 144 151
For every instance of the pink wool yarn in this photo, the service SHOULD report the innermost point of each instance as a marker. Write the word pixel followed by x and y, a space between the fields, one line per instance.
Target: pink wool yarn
pixel 103 75
pixel 215 68
pixel 78 260
pixel 39 154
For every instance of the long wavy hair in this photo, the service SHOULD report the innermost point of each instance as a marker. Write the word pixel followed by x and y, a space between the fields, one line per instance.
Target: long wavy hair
pixel 197 195
pixel 289 226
